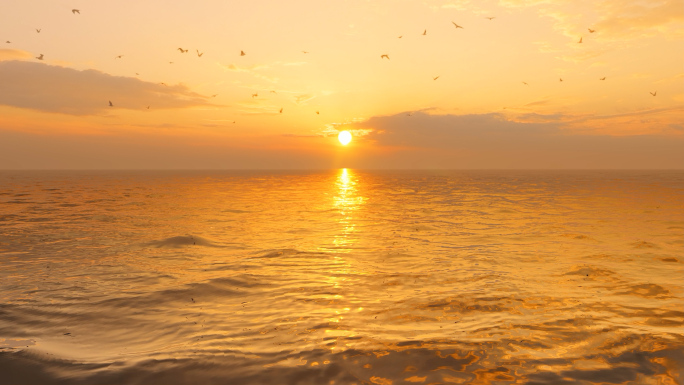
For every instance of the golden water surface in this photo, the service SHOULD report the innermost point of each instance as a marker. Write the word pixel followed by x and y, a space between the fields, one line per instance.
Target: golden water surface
pixel 342 277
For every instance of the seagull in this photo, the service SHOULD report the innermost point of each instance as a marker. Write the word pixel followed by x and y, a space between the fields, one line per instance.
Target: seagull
pixel 110 104
pixel 561 79
pixel 281 110
pixel 170 62
pixel 525 83
pixel 8 42
pixel 318 112
pixel 273 92
pixel 425 32
pixel 182 50
pixel 580 40
pixel 75 11
pixel 199 54
pixel 490 18
pixel 40 57
pixel 162 83
pixel 591 30
pixel 137 74
pixel 38 30
pixel 118 57
pixel 255 95
pixel 456 25
pixel 436 77
pixel 384 56
pixel 653 93
pixel 214 95
pixel 242 53
pixel 603 78
pixel 400 37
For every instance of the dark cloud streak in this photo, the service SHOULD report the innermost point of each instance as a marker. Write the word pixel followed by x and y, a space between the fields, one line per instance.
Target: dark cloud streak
pixel 64 90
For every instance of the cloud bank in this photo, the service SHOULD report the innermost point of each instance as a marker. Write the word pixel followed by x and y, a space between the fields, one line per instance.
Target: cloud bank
pixel 58 89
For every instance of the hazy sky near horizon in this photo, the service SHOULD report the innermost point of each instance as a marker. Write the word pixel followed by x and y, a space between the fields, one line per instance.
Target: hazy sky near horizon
pixel 487 95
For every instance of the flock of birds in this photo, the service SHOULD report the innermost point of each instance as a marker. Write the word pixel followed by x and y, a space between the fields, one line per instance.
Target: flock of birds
pixel 242 53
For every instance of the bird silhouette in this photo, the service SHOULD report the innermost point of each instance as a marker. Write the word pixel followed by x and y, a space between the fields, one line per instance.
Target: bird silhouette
pixel 525 83
pixel 435 78
pixel 75 11
pixel 118 57
pixel 242 53
pixel 456 25
pixel 580 40
pixel 214 95
pixel 8 42
pixel 255 95
pixel 305 51
pixel 182 50
pixel 170 62
pixel 400 37
pixel 603 78
pixel 425 32
pixel 591 30
pixel 318 112
pixel 490 18
pixel 38 30
pixel 40 57
pixel 199 54
pixel 281 110
pixel 110 104
pixel 273 92
pixel 653 93
pixel 148 107
pixel 384 57
pixel 561 79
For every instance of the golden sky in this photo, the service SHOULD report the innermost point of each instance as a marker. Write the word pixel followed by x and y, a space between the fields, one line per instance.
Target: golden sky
pixel 487 95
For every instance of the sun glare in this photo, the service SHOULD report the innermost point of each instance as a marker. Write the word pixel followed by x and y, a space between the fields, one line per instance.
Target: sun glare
pixel 344 137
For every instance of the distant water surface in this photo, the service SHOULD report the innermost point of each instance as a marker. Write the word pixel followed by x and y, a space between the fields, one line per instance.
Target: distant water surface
pixel 342 277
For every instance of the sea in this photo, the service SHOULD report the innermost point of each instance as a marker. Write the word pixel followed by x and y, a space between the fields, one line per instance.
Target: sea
pixel 342 277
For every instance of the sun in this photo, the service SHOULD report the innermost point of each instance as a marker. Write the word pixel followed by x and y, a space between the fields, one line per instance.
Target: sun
pixel 344 137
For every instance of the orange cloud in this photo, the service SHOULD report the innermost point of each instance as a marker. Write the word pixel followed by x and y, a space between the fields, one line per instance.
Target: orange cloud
pixel 64 90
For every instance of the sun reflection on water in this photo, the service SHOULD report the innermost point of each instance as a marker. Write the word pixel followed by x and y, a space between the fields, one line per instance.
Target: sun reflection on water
pixel 347 200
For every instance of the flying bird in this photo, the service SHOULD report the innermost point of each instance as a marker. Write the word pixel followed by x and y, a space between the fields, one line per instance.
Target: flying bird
pixel 281 110
pixel 8 42
pixel 242 53
pixel 525 83
pixel 305 51
pixel 456 25
pixel 148 107
pixel 75 11
pixel 214 95
pixel 591 30
pixel 199 54
pixel 182 50
pixel 580 40
pixel 273 92
pixel 490 18
pixel 110 104
pixel 425 32
pixel 38 30
pixel 436 77
pixel 118 57
pixel 384 56
pixel 603 78
pixel 653 93
pixel 40 57
pixel 561 79
pixel 170 62
pixel 318 112
pixel 255 95
pixel 400 37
